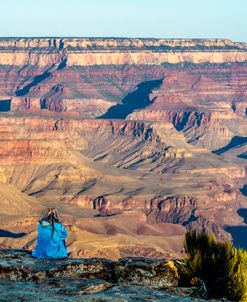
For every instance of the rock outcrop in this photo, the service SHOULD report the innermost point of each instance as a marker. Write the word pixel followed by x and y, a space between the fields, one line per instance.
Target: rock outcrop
pixel 89 279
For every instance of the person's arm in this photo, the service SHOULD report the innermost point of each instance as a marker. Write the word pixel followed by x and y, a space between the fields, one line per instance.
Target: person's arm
pixel 62 232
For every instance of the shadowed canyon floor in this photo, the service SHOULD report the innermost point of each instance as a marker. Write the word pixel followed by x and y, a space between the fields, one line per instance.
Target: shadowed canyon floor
pixel 135 141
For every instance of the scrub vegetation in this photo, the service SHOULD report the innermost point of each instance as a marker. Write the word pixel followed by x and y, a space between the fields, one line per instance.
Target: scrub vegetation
pixel 220 266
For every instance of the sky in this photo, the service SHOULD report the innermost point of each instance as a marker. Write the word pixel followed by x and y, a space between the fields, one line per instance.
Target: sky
pixel 125 18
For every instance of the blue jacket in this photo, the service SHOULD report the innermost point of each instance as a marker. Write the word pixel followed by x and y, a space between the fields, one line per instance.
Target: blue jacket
pixel 48 246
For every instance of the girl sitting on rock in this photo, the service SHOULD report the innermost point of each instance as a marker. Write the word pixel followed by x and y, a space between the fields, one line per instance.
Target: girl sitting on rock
pixel 51 237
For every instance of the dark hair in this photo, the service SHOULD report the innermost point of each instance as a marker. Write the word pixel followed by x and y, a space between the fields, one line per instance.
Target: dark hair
pixel 51 215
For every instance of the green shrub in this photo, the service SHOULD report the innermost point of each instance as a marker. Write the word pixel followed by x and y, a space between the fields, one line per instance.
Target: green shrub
pixel 222 267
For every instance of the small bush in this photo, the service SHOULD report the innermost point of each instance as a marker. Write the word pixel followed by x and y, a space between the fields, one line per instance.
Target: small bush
pixel 222 267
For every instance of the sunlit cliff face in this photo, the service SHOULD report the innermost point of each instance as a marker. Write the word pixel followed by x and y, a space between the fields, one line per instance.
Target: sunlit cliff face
pixel 131 138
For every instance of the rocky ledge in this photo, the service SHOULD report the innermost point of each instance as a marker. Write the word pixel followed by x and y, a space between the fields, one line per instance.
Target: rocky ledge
pixel 23 278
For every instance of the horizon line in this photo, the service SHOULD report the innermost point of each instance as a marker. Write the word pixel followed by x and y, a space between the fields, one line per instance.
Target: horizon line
pixel 113 37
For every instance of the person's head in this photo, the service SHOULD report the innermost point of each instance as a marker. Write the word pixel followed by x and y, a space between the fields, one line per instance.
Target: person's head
pixel 50 215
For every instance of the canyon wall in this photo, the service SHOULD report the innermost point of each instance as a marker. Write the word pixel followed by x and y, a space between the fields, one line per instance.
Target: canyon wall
pixel 118 166
pixel 85 77
pixel 124 129
pixel 87 52
pixel 117 43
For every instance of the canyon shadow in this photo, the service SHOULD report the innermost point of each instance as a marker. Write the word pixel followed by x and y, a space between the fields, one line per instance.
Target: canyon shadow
pixel 239 233
pixel 5 233
pixel 138 99
pixel 5 105
pixel 236 142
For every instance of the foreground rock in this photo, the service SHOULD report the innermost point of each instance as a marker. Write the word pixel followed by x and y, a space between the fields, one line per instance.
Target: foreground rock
pixel 128 279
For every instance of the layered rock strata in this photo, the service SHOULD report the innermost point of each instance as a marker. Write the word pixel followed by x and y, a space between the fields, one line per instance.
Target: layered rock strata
pixel 60 74
pixel 65 140
pixel 118 166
